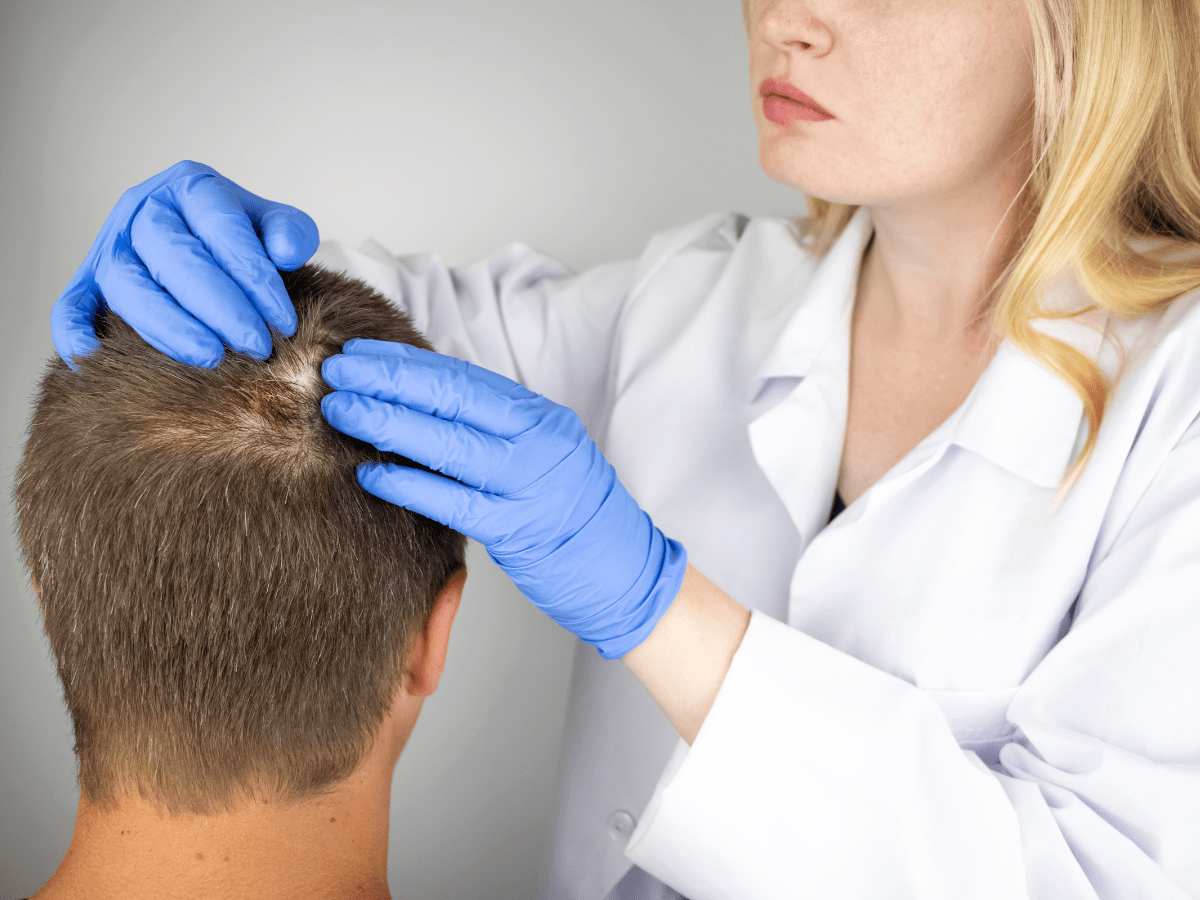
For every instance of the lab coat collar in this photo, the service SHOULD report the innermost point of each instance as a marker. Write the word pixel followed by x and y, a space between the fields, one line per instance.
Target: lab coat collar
pixel 828 297
pixel 1020 416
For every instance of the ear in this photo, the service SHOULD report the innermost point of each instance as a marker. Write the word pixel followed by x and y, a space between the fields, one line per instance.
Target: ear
pixel 427 656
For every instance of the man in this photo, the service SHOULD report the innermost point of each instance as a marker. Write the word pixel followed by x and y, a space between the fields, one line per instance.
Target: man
pixel 241 664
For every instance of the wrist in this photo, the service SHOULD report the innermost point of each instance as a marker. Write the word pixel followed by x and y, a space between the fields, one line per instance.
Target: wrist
pixel 684 659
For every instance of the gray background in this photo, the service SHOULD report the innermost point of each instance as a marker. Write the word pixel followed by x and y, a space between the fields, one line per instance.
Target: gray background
pixel 458 125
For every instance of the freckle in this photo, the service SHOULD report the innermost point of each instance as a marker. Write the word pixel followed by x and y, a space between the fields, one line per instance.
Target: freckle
pixel 226 859
pixel 199 856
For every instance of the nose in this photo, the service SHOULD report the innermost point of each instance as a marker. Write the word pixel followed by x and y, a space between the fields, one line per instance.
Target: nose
pixel 790 26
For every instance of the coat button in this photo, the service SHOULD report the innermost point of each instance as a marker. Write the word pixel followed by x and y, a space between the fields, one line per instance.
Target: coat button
pixel 621 825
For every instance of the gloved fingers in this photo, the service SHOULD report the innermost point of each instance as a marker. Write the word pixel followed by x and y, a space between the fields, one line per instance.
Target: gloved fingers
pixel 456 505
pixel 213 212
pixel 439 386
pixel 127 206
pixel 182 265
pixel 369 347
pixel 289 234
pixel 477 459
pixel 71 320
pixel 134 296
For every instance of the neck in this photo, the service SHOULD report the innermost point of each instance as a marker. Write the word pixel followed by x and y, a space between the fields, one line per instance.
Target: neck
pixel 932 262
pixel 334 845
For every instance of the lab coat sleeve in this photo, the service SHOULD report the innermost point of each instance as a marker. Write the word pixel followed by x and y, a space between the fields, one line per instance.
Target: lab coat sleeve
pixel 520 313
pixel 816 775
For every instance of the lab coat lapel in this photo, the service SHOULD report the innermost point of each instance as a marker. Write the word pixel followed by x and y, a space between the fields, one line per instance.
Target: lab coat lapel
pixel 797 441
pixel 919 576
pixel 1021 415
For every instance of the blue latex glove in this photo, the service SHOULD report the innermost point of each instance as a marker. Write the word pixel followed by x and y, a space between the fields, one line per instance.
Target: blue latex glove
pixel 189 260
pixel 529 484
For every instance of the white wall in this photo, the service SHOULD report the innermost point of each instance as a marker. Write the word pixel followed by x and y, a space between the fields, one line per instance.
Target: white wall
pixel 456 125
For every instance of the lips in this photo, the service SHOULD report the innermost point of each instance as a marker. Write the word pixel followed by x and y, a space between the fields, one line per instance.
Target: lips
pixel 784 103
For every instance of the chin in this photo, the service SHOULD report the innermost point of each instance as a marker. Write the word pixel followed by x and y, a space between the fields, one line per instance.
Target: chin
pixel 799 178
pixel 805 171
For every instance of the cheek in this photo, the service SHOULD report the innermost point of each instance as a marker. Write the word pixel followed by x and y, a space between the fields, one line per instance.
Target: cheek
pixel 962 117
pixel 946 143
pixel 967 90
pixel 932 124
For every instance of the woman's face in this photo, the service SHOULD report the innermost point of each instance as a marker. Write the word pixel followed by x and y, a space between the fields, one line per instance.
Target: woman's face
pixel 927 96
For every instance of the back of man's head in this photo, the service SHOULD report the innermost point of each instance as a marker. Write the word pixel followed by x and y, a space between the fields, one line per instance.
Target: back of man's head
pixel 228 609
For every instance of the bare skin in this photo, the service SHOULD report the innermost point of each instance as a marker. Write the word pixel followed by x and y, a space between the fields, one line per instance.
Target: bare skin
pixel 331 846
pixel 684 660
pixel 931 132
pixel 906 378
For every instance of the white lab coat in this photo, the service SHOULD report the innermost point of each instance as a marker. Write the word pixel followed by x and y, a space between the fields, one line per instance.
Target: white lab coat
pixel 977 692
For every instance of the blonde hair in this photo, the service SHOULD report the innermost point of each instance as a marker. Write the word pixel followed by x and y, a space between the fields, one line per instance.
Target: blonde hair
pixel 1115 157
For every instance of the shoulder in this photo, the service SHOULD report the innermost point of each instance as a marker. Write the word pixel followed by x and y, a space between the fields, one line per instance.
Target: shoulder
pixel 723 232
pixel 1153 362
pixel 711 294
pixel 1145 358
pixel 721 245
pixel 1151 339
pixel 1156 357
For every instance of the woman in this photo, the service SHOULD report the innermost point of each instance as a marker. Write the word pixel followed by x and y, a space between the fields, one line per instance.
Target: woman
pixel 982 346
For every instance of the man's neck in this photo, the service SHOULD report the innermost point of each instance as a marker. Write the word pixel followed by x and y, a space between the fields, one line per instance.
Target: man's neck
pixel 331 846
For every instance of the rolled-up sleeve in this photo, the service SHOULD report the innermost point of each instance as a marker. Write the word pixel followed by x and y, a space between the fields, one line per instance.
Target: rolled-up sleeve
pixel 817 775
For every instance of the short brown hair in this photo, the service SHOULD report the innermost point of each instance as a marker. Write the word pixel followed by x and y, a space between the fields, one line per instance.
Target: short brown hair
pixel 228 609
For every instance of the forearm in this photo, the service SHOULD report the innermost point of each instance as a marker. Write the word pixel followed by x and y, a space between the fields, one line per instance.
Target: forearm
pixel 508 459
pixel 684 660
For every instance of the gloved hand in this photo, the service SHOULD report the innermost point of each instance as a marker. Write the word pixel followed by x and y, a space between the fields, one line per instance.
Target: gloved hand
pixel 530 485
pixel 180 259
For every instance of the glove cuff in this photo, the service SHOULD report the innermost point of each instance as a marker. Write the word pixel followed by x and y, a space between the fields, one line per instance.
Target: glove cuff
pixel 633 617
